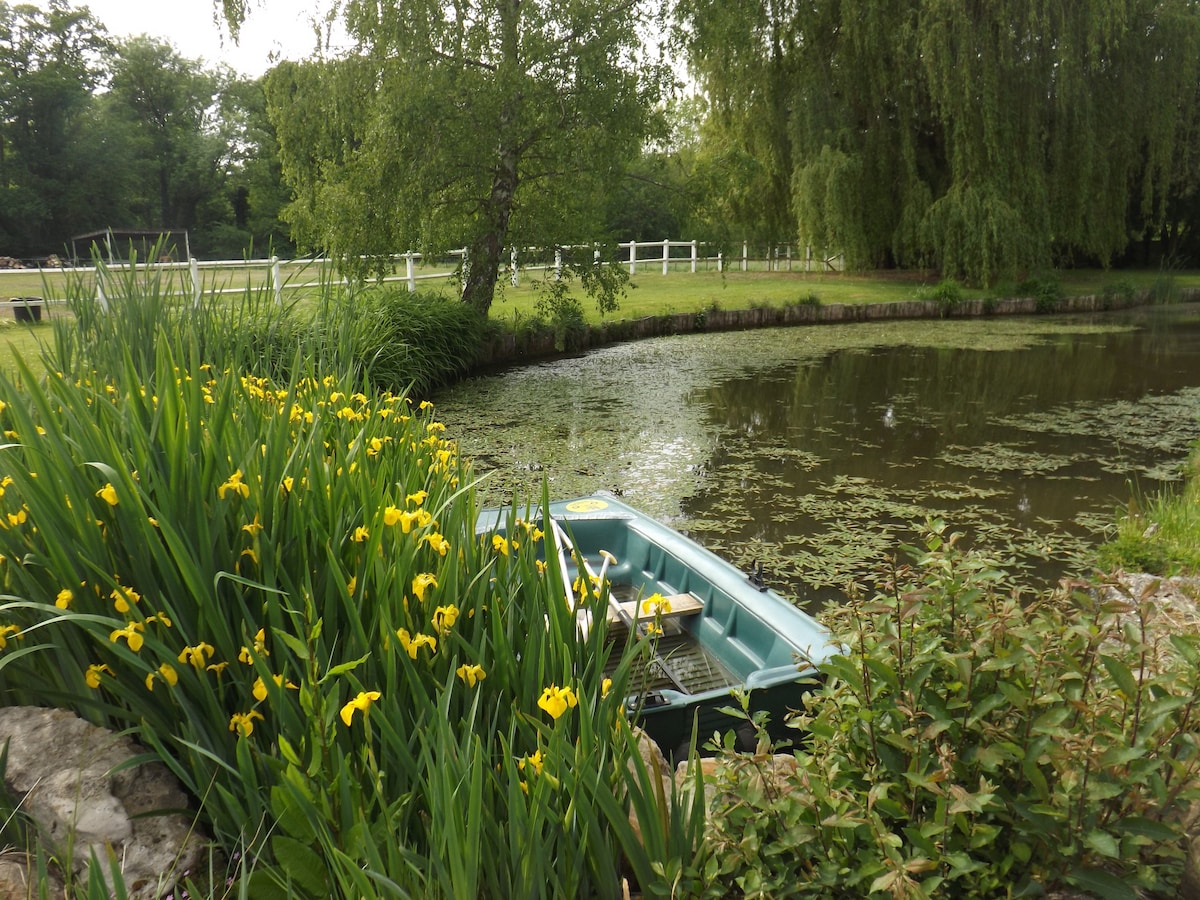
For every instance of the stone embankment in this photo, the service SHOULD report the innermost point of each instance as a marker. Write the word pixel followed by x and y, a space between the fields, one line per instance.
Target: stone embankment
pixel 509 348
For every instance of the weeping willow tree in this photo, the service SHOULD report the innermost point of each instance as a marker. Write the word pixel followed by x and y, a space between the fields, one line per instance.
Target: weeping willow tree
pixel 978 138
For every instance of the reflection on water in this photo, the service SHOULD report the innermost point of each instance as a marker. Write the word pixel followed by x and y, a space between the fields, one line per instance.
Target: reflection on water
pixel 817 450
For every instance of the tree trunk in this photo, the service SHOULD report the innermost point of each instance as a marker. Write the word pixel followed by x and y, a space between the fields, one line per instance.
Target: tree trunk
pixel 486 251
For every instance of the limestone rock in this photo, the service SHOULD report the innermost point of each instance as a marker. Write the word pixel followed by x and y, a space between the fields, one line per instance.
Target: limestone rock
pixel 17 882
pixel 72 777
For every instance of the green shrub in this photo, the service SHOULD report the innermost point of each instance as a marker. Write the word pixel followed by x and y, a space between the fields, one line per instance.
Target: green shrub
pixel 970 743
pixel 1045 290
pixel 947 293
pixel 563 312
pixel 397 339
pixel 1118 293
pixel 808 298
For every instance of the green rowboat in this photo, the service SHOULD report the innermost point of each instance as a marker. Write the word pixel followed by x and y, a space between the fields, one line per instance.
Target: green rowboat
pixel 718 629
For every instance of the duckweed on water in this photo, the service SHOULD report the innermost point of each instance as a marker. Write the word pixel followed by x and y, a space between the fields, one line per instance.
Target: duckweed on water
pixel 816 451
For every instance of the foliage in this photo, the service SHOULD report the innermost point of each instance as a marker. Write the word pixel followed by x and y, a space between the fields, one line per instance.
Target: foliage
pixel 1121 292
pixel 50 61
pixel 1159 533
pixel 277 586
pixel 101 133
pixel 1011 135
pixel 947 293
pixel 487 124
pixel 746 154
pixel 973 743
pixel 399 340
pixel 1045 290
pixel 169 104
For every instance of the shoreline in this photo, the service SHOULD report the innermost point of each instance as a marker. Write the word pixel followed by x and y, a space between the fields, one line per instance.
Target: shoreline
pixel 510 349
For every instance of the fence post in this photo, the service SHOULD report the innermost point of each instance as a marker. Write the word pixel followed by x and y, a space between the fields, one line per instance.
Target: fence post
pixel 512 264
pixel 101 297
pixel 745 253
pixel 633 257
pixel 789 257
pixel 666 256
pixel 409 273
pixel 558 263
pixel 596 257
pixel 808 258
pixel 194 269
pixel 276 281
pixel 720 261
pixel 694 249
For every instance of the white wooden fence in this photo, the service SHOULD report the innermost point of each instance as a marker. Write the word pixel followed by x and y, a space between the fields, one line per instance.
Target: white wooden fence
pixel 644 256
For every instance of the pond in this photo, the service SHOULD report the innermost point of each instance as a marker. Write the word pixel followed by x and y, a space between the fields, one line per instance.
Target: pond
pixel 818 451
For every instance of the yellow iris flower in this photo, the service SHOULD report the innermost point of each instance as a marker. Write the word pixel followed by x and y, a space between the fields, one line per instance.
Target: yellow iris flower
pixel 444 618
pixel 166 672
pixel 5 631
pixel 108 494
pixel 259 690
pixel 555 700
pixel 122 598
pixel 413 643
pixel 132 634
pixel 234 484
pixel 92 676
pixel 243 723
pixel 422 583
pixel 471 674
pixel 362 703
pixel 437 542
pixel 197 656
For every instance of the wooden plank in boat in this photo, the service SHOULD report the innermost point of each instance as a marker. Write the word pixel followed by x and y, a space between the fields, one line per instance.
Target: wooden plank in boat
pixel 681 605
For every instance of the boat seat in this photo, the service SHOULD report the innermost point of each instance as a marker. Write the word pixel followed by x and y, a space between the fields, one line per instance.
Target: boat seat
pixel 686 604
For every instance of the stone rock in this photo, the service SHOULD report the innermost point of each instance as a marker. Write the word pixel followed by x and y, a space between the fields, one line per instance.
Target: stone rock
pixel 16 881
pixel 74 778
pixel 657 767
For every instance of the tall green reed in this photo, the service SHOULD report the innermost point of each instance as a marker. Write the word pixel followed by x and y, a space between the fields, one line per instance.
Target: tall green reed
pixel 277 586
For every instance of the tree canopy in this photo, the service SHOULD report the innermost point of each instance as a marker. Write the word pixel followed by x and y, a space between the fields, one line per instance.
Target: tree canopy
pixel 130 134
pixel 484 124
pixel 976 138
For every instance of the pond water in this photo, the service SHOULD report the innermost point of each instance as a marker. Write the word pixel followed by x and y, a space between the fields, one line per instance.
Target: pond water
pixel 820 450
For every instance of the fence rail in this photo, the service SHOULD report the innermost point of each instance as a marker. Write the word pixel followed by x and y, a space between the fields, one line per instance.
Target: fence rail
pixel 275 274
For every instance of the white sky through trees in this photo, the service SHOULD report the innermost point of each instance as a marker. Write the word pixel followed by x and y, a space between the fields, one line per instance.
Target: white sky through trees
pixel 273 30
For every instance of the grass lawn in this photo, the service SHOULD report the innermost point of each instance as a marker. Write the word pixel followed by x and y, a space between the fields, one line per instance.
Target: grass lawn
pixel 650 292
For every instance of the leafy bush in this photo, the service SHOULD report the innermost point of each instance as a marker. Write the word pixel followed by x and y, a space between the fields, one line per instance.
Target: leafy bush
pixel 972 744
pixel 947 293
pixel 1045 290
pixel 562 311
pixel 397 339
pixel 1120 292
pixel 809 298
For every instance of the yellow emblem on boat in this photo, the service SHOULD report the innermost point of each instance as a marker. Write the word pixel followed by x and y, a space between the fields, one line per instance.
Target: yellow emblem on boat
pixel 589 504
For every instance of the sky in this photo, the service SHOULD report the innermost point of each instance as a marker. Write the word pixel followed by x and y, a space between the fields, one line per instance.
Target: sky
pixel 274 29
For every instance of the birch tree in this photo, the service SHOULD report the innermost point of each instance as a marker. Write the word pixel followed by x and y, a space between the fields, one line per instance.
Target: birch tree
pixel 486 124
